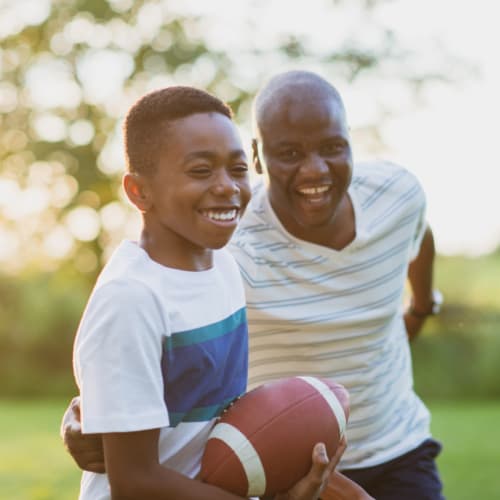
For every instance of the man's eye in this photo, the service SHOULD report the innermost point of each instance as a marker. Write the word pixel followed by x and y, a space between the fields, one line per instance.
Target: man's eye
pixel 289 154
pixel 332 149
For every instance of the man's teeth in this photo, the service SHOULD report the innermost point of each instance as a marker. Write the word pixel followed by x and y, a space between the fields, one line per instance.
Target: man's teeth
pixel 314 190
pixel 228 215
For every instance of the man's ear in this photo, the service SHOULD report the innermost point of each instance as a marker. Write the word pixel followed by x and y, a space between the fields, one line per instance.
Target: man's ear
pixel 137 189
pixel 255 157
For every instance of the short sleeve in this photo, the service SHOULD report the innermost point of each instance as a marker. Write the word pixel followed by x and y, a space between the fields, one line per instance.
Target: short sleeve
pixel 117 360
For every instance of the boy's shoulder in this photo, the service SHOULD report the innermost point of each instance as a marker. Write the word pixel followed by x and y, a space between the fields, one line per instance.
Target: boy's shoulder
pixel 123 281
pixel 128 262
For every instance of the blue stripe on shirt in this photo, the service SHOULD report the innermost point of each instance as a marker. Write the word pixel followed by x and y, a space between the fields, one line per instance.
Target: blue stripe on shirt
pixel 205 368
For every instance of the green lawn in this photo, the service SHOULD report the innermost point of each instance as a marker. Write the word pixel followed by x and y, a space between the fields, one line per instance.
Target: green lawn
pixel 34 465
pixel 33 462
pixel 470 461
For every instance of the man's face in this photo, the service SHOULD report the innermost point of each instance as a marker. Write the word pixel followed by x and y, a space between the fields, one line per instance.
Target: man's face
pixel 305 147
pixel 201 187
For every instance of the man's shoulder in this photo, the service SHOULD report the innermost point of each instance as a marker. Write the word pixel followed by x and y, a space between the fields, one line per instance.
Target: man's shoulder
pixel 378 175
pixel 378 168
pixel 257 212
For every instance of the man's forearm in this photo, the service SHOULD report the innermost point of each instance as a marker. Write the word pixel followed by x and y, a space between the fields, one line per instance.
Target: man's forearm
pixel 420 274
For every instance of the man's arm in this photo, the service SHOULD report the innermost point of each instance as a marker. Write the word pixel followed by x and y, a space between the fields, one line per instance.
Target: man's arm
pixel 420 275
pixel 85 449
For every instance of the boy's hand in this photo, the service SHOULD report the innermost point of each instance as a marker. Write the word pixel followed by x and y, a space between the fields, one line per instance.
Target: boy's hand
pixel 340 487
pixel 86 449
pixel 311 486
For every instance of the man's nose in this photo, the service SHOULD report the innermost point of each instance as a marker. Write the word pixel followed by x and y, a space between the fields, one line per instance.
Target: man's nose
pixel 314 164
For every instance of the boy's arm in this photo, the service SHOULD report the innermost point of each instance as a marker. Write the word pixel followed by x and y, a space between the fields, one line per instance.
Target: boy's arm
pixel 131 460
pixel 87 450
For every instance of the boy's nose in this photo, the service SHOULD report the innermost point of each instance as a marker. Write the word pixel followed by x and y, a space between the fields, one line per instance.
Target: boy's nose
pixel 225 185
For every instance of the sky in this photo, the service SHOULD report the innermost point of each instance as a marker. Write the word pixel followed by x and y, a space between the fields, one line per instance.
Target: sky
pixel 447 136
pixel 449 139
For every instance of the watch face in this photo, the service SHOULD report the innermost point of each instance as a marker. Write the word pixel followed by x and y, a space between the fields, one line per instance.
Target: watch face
pixel 437 299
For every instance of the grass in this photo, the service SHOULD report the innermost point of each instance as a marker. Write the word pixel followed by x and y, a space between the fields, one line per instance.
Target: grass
pixel 33 462
pixel 469 463
pixel 35 466
pixel 470 281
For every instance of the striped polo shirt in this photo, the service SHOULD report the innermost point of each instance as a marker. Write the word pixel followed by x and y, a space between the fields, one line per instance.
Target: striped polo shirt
pixel 338 314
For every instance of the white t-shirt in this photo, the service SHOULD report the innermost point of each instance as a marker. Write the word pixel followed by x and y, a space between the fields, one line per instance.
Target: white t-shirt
pixel 160 348
pixel 338 314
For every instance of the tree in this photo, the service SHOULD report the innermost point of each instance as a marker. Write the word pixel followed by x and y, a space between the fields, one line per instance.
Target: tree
pixel 69 71
pixel 69 76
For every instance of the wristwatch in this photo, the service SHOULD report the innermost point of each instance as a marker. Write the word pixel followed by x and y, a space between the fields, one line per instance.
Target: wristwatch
pixel 435 308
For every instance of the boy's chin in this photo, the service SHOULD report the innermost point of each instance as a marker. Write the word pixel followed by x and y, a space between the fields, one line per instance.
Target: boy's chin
pixel 219 241
pixel 218 245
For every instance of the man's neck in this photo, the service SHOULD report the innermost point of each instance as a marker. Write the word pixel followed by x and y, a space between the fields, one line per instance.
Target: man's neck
pixel 339 232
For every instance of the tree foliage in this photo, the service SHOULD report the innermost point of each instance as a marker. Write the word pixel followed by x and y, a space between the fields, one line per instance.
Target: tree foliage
pixel 68 78
pixel 69 71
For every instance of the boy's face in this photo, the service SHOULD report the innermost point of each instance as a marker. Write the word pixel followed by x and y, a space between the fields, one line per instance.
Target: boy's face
pixel 306 149
pixel 201 186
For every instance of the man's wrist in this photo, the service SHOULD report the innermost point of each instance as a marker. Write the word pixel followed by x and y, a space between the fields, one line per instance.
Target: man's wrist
pixel 432 309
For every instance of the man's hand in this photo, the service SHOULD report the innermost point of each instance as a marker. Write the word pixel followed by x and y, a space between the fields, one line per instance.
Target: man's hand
pixel 86 449
pixel 340 487
pixel 413 325
pixel 311 486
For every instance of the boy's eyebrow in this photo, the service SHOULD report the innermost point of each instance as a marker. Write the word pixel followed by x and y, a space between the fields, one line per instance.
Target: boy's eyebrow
pixel 211 155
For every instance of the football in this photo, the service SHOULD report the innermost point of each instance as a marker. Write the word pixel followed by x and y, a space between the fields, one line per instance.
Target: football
pixel 262 444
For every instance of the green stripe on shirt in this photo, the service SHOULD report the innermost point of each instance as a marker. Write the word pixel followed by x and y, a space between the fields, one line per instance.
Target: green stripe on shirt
pixel 207 332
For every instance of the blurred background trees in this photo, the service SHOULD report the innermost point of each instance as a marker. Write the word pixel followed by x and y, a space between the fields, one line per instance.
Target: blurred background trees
pixel 69 71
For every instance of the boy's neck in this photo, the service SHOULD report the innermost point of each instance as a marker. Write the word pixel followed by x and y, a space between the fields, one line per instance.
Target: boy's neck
pixel 170 254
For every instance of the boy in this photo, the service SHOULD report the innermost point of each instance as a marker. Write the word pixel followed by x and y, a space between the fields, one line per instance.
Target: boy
pixel 162 345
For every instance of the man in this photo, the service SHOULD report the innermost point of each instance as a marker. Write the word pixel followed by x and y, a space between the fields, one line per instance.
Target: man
pixel 324 252
pixel 325 249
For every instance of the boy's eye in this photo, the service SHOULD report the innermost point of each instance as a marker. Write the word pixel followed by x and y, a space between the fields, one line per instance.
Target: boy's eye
pixel 239 168
pixel 200 170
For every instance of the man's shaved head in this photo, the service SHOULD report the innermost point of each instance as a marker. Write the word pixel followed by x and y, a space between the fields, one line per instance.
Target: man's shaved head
pixel 284 87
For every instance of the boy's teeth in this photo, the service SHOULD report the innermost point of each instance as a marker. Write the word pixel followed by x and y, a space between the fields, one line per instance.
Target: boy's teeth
pixel 314 190
pixel 229 215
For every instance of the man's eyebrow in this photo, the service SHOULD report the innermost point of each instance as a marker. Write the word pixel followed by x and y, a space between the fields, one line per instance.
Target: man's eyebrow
pixel 291 142
pixel 285 143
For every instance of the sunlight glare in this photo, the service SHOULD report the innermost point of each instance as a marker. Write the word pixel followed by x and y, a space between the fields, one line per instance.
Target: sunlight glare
pixel 83 223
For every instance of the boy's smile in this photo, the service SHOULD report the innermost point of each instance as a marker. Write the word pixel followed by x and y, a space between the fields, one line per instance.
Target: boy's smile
pixel 198 193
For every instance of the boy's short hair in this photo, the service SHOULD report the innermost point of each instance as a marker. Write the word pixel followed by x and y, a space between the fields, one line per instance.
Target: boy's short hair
pixel 147 122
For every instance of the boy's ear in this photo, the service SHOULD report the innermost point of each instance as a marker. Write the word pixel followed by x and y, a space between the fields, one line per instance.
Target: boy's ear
pixel 137 189
pixel 255 157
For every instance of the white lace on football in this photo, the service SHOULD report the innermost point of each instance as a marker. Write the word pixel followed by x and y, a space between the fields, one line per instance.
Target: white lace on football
pixel 331 399
pixel 247 455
